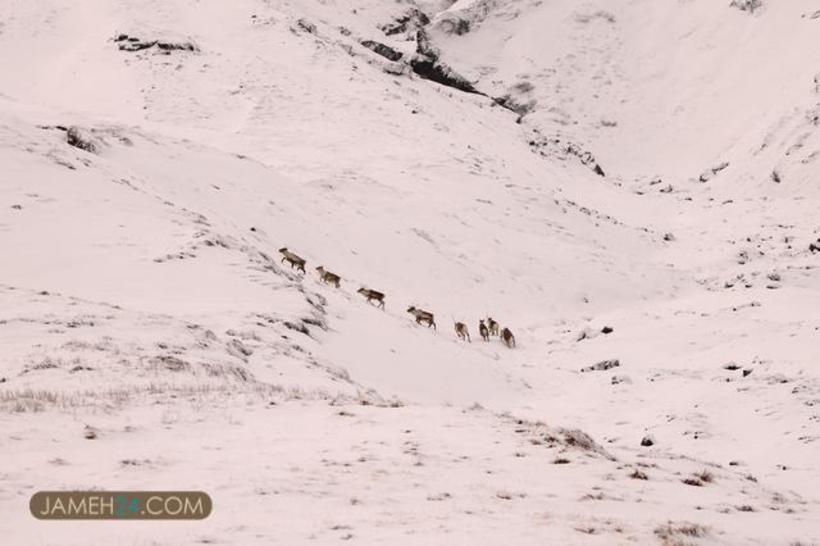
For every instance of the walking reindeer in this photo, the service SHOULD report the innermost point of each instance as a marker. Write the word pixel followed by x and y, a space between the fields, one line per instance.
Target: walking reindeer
pixel 482 329
pixel 327 277
pixel 462 332
pixel 294 260
pixel 372 295
pixel 508 338
pixel 486 329
pixel 422 316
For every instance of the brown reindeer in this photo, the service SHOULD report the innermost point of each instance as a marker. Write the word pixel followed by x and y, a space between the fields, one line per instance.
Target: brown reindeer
pixel 327 277
pixel 372 295
pixel 493 325
pixel 293 259
pixel 482 329
pixel 462 332
pixel 422 316
pixel 508 338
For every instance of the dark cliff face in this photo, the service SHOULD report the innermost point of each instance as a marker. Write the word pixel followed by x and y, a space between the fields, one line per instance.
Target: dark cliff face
pixel 427 64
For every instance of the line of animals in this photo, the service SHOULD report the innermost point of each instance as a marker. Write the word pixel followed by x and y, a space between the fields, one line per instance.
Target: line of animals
pixel 490 328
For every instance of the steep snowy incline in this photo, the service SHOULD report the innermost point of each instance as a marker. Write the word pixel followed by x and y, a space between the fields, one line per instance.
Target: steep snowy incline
pixel 654 89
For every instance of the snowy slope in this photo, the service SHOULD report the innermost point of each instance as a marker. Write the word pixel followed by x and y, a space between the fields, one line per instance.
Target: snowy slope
pixel 143 294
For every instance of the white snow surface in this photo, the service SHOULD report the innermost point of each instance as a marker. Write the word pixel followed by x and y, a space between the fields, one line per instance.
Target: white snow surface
pixel 142 292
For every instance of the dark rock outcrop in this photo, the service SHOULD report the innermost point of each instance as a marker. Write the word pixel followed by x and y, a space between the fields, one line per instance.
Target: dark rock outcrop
pixel 385 51
pixel 602 366
pixel 79 138
pixel 306 25
pixel 433 70
pixel 426 64
pixel 132 43
pixel 747 5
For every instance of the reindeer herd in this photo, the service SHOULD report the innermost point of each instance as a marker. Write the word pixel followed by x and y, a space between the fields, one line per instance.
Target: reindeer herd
pixel 486 329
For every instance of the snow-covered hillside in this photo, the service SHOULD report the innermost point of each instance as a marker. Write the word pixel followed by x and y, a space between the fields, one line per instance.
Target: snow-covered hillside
pixel 632 187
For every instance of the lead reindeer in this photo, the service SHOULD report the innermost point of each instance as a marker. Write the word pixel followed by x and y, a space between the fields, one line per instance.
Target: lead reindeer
pixel 493 326
pixel 508 338
pixel 327 277
pixel 293 259
pixel 422 316
pixel 372 295
pixel 462 332
pixel 482 329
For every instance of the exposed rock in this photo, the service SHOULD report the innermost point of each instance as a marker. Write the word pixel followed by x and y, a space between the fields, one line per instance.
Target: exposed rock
pixel 813 115
pixel 710 173
pixel 379 48
pixel 410 22
pixel 132 43
pixel 581 440
pixel 555 147
pixel 602 366
pixel 815 246
pixel 607 330
pixel 519 106
pixel 424 46
pixel 306 25
pixel 176 46
pixel 236 348
pixel 427 65
pixel 431 69
pixel 647 441
pixel 747 5
pixel 731 366
pixel 81 139
pixel 747 372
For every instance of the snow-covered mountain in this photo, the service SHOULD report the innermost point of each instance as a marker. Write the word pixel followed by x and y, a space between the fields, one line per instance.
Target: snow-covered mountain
pixel 631 186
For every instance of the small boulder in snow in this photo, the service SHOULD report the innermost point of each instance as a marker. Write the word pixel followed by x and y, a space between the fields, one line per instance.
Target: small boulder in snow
pixel 747 5
pixel 602 366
